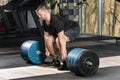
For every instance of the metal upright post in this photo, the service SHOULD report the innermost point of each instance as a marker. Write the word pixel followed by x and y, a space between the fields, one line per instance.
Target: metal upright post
pixel 100 16
pixel 36 19
pixel 71 7
pixel 23 20
pixel 80 16
pixel 5 18
pixel 61 4
pixel 17 20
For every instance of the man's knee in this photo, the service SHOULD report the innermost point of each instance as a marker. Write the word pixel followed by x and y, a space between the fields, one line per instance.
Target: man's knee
pixel 64 38
pixel 50 39
pixel 56 40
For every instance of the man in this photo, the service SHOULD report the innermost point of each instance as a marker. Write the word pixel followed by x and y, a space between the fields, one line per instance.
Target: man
pixel 57 30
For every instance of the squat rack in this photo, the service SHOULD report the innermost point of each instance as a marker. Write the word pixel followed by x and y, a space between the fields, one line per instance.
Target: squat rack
pixel 71 11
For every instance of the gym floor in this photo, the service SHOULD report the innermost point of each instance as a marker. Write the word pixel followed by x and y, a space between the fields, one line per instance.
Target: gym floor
pixel 13 67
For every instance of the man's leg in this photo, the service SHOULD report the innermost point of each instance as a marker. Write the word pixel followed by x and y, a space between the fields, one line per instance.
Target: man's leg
pixel 63 65
pixel 50 46
pixel 63 46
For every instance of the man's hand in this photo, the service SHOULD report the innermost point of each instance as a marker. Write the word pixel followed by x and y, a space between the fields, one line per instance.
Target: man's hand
pixel 47 54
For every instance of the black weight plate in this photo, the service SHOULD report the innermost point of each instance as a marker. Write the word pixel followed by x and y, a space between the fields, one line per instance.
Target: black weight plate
pixel 88 63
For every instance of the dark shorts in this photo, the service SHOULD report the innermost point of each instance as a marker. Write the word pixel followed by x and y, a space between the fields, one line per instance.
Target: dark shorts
pixel 73 33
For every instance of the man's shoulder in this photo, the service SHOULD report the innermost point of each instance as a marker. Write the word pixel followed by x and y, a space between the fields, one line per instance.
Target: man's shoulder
pixel 54 16
pixel 56 19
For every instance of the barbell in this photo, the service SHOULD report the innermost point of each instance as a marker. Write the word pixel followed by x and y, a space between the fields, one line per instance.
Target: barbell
pixel 80 61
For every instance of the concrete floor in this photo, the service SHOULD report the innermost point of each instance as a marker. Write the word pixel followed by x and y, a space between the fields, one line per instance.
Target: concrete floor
pixel 13 67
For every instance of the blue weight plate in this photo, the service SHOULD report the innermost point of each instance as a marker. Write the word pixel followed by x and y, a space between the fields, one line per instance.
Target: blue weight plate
pixel 24 49
pixel 72 58
pixel 72 61
pixel 31 50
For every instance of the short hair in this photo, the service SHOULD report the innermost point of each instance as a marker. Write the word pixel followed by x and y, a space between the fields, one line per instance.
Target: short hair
pixel 42 7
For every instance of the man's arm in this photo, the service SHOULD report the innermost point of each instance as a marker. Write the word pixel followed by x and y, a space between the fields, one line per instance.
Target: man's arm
pixel 62 43
pixel 46 34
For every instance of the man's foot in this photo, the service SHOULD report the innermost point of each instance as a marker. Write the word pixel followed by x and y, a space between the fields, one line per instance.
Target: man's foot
pixel 56 63
pixel 63 66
